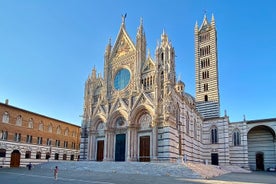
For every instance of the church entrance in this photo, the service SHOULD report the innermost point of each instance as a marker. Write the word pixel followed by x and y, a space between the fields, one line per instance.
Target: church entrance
pixel 144 155
pixel 100 150
pixel 214 159
pixel 260 161
pixel 120 147
pixel 15 159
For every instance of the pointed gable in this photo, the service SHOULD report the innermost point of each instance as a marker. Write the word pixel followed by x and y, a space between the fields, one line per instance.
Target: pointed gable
pixel 204 26
pixel 123 44
pixel 148 65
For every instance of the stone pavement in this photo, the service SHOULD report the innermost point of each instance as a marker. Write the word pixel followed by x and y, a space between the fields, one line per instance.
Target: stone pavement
pixel 125 173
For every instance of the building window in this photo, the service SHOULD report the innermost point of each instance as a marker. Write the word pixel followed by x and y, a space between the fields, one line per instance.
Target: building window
pixel 4 135
pixel 28 154
pixel 58 130
pixel 236 138
pixel 31 123
pixel 206 98
pixel 19 120
pixel 205 87
pixel 49 142
pixel 38 155
pixel 57 143
pixel 2 153
pixel 50 128
pixel 17 137
pixel 29 139
pixel 40 126
pixel 205 74
pixel 39 140
pixel 65 145
pixel 66 132
pixel 73 145
pixel 5 117
pixel 214 135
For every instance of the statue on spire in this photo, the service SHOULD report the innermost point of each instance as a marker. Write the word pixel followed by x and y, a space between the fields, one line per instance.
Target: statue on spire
pixel 124 18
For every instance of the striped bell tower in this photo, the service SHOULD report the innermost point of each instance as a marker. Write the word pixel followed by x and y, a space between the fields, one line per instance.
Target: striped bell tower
pixel 206 64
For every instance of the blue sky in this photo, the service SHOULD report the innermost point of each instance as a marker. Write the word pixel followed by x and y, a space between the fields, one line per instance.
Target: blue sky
pixel 48 49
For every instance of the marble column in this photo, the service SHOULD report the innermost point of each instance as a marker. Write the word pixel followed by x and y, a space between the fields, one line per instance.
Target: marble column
pixel 154 141
pixel 109 145
pixel 132 143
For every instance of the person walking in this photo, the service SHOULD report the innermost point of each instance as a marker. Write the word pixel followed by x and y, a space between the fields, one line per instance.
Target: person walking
pixel 29 166
pixel 56 172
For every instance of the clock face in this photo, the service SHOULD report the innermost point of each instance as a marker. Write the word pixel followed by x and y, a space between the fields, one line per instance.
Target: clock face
pixel 121 79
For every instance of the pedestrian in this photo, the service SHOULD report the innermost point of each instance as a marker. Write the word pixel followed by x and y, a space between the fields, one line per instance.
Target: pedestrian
pixel 56 172
pixel 29 166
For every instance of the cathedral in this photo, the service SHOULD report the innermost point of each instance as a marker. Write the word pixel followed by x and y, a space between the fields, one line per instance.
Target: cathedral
pixel 138 110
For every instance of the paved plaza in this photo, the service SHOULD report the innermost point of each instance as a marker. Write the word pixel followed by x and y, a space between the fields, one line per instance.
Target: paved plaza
pixel 124 173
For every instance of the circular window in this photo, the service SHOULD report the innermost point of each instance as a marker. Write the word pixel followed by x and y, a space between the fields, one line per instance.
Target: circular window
pixel 121 79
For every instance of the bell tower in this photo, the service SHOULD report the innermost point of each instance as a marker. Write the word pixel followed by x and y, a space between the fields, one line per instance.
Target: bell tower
pixel 206 64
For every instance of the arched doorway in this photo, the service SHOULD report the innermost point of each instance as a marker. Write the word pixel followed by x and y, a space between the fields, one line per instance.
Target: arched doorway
pixel 260 161
pixel 48 155
pixel 261 147
pixel 15 159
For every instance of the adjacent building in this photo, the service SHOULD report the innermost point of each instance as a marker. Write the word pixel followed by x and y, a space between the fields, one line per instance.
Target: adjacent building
pixel 26 137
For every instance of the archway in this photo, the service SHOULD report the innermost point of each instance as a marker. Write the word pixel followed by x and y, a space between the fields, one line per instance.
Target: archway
pixel 15 159
pixel 261 147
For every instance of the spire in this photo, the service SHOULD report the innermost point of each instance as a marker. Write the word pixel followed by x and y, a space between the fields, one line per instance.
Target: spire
pixel 108 48
pixel 94 72
pixel 196 26
pixel 213 20
pixel 164 38
pixel 141 28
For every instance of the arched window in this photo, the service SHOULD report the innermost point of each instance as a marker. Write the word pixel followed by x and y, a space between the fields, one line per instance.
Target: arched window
pixel 58 130
pixel 236 138
pixel 40 126
pixel 214 135
pixel 6 117
pixel 66 132
pixel 19 120
pixel 50 128
pixel 31 123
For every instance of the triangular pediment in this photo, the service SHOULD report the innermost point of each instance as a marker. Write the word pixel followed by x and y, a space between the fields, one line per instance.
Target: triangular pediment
pixel 143 99
pixel 148 65
pixel 119 103
pixel 204 24
pixel 123 44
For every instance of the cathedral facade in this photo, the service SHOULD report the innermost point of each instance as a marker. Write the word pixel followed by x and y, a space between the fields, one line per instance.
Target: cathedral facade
pixel 138 111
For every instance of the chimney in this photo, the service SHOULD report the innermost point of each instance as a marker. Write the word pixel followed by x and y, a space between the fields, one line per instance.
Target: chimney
pixel 7 101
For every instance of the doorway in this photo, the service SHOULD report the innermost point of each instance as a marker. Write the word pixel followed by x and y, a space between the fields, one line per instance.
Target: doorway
pixel 214 159
pixel 100 150
pixel 120 147
pixel 260 161
pixel 15 159
pixel 144 155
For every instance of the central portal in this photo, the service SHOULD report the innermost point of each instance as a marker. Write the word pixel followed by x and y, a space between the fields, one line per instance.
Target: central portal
pixel 120 148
